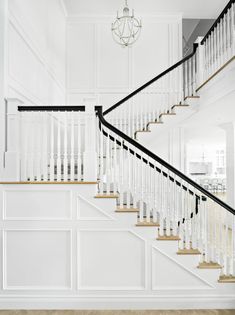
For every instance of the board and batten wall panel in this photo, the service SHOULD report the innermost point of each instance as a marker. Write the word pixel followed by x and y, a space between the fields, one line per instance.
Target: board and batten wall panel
pixel 36 51
pixel 97 66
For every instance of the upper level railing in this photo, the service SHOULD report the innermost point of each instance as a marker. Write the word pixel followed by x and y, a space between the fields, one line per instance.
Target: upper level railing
pixel 219 43
pixel 49 143
pixel 146 104
pixel 158 96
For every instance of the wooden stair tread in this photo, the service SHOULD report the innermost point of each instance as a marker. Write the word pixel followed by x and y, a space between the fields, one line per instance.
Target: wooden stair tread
pixel 208 265
pixel 226 279
pixel 155 122
pixel 179 105
pixel 187 251
pixel 145 223
pixel 126 210
pixel 143 131
pixel 106 196
pixel 168 238
pixel 167 114
pixel 193 96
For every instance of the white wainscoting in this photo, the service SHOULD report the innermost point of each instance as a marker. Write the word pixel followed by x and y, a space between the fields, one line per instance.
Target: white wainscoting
pixel 47 205
pixel 97 65
pixel 61 248
pixel 122 269
pixel 36 259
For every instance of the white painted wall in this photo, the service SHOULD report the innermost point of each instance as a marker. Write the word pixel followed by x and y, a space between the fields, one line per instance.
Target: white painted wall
pixel 3 22
pixel 32 56
pixel 99 66
pixel 36 51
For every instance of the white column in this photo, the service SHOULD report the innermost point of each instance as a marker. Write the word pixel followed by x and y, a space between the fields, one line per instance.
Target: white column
pixel 11 168
pixel 230 162
pixel 3 38
pixel 90 154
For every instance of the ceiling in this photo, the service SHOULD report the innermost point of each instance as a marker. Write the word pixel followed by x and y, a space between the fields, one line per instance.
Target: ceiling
pixel 201 9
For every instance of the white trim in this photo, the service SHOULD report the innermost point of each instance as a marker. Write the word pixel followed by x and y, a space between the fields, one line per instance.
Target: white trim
pixel 5 218
pixel 156 18
pixel 64 9
pixel 119 288
pixel 5 287
pixel 126 301
pixel 15 23
pixel 106 216
pixel 155 288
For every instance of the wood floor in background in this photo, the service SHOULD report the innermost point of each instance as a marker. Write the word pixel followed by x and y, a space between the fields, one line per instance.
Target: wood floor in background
pixel 184 312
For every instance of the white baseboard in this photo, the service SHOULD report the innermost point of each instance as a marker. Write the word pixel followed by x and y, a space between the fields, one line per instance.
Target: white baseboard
pixel 115 303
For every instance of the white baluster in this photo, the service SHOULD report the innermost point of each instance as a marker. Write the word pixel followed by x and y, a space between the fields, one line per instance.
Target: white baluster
pixel 233 245
pixel 114 152
pixel 65 160
pixel 128 177
pixel 187 219
pixel 141 204
pixel 52 148
pixel 79 144
pixel 45 146
pixel 58 172
pixel 23 145
pixel 181 216
pixel 107 163
pixel 161 202
pixel 167 205
pixel 233 28
pixel 224 40
pixel 221 43
pixel 101 184
pixel 121 176
pixel 207 232
pixel 72 149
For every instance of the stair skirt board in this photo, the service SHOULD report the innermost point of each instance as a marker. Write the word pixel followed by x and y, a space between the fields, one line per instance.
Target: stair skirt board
pixel 217 72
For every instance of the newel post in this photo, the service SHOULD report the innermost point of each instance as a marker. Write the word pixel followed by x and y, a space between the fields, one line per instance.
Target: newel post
pixel 200 61
pixel 90 154
pixel 11 167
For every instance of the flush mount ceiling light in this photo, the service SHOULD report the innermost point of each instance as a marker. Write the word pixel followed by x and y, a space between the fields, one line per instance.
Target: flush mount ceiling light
pixel 126 28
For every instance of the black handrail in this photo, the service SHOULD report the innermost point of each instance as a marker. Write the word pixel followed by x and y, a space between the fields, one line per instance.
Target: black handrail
pixel 161 161
pixel 55 108
pixel 151 81
pixel 222 14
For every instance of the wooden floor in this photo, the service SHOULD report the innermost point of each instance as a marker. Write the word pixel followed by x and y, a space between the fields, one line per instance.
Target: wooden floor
pixel 184 312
